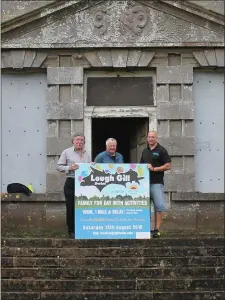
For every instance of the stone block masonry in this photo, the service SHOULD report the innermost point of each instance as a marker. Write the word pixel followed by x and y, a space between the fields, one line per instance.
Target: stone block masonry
pixel 174 98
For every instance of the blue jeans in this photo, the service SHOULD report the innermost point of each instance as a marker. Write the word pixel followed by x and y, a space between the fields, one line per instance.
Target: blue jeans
pixel 157 196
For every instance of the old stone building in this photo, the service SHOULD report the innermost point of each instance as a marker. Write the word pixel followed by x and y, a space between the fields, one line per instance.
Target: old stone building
pixel 114 68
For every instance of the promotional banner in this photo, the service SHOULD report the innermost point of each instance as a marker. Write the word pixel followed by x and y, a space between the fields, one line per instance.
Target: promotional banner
pixel 112 201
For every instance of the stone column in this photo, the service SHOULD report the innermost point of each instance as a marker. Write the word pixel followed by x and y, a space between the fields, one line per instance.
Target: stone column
pixel 175 114
pixel 64 115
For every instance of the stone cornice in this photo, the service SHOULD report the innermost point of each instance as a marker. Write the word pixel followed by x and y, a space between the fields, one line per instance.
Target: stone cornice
pixel 60 5
pixel 41 13
pixel 197 10
pixel 102 24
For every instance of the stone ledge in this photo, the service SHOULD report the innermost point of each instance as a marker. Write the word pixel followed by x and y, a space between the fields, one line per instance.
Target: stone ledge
pixel 67 252
pixel 21 295
pixel 111 286
pixel 59 197
pixel 48 197
pixel 166 241
pixel 196 196
pixel 123 295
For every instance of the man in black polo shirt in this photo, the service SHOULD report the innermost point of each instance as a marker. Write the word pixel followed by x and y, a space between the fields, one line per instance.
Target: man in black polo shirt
pixel 158 160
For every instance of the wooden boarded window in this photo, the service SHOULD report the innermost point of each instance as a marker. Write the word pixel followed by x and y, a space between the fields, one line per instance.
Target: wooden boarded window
pixel 119 91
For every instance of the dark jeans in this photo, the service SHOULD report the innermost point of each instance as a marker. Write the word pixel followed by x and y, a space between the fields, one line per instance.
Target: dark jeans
pixel 69 195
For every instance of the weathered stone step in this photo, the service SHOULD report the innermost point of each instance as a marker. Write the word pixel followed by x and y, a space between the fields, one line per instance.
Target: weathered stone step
pixel 162 285
pixel 102 262
pixel 184 295
pixel 119 273
pixel 112 252
pixel 162 242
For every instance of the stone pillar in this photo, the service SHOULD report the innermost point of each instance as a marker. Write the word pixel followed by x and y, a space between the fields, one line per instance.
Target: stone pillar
pixel 175 114
pixel 64 115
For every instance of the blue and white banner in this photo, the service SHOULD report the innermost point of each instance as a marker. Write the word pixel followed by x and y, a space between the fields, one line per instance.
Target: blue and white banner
pixel 112 201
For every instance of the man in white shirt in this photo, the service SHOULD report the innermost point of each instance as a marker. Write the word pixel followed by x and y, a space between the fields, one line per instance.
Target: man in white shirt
pixel 68 163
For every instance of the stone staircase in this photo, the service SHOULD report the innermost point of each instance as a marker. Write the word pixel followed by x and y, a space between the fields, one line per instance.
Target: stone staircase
pixel 175 268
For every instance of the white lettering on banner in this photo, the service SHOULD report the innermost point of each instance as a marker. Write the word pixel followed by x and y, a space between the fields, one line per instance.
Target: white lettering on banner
pixel 123 177
pixel 84 202
pixel 94 227
pixel 114 233
pixel 99 180
pixel 112 227
pixel 121 227
pixel 102 212
pixel 87 212
pixel 137 227
pixel 136 202
pixel 104 179
pixel 118 202
pixel 117 212
pixel 96 202
pixel 107 202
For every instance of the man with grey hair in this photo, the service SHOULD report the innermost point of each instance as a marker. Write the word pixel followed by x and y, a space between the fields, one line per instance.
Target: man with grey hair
pixel 110 155
pixel 68 163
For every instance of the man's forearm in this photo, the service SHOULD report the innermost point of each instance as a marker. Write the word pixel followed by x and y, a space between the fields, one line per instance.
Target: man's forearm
pixel 63 169
pixel 163 168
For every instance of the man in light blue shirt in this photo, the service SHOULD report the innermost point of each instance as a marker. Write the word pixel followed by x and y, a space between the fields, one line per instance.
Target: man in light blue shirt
pixel 109 156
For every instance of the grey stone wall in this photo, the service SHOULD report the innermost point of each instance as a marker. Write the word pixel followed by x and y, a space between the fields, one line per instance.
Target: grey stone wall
pixel 67 38
pixel 65 100
pixel 174 100
pixel 195 213
pixel 174 107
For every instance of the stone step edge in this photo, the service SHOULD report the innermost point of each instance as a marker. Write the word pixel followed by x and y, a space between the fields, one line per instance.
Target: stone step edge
pixel 192 237
pixel 114 247
pixel 60 243
pixel 115 292
pixel 108 294
pixel 131 253
pixel 111 257
pixel 91 268
pixel 117 248
pixel 165 273
pixel 108 279
pixel 112 295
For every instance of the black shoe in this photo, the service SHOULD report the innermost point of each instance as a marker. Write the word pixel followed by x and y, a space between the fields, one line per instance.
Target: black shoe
pixel 71 235
pixel 156 233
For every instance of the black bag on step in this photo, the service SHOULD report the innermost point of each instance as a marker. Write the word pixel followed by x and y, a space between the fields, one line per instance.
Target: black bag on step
pixel 18 188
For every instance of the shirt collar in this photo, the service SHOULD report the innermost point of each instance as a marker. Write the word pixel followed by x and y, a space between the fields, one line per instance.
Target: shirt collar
pixel 153 148
pixel 82 151
pixel 109 154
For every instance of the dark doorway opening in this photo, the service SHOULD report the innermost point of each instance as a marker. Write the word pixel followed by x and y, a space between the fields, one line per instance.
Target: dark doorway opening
pixel 130 134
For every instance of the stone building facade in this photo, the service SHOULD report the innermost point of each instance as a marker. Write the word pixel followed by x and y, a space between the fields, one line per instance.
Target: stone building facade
pixel 178 44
